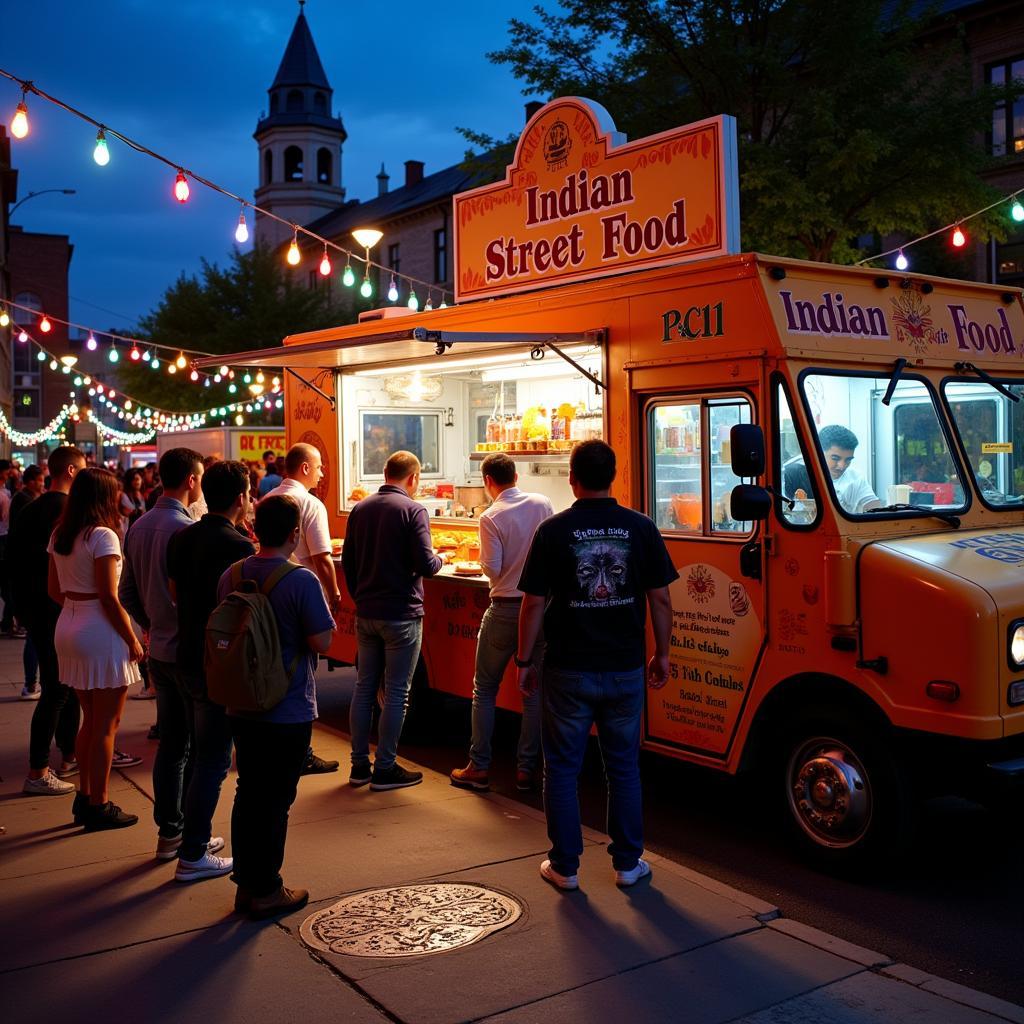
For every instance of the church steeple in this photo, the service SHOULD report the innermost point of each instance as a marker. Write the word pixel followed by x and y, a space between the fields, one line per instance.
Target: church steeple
pixel 299 141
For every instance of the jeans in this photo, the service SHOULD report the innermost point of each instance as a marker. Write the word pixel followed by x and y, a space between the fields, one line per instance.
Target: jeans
pixel 269 757
pixel 30 662
pixel 389 650
pixel 56 713
pixel 499 637
pixel 172 766
pixel 210 739
pixel 572 702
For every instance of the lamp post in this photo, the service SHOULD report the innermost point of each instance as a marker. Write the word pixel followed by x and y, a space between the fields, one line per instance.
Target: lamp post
pixel 41 192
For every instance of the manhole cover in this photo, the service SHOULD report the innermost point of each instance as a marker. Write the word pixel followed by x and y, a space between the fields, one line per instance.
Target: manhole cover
pixel 409 920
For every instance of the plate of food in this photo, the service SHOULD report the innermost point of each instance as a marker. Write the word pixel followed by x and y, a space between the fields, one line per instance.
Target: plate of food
pixel 467 569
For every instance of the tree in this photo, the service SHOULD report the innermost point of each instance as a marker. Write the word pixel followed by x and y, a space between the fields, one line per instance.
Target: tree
pixel 254 302
pixel 854 119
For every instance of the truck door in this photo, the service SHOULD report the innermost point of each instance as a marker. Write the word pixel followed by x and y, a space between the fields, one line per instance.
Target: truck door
pixel 718 601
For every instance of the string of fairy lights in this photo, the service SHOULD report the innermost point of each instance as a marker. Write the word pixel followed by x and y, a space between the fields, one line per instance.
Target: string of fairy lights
pixel 181 190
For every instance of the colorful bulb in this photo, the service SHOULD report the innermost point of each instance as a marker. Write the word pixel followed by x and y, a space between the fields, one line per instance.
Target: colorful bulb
pixel 246 379
pixel 113 356
pixel 901 261
pixel 393 291
pixel 1017 211
pixel 135 355
pixel 23 337
pixel 239 419
pixel 260 378
pixel 232 388
pixel 172 369
pixel 19 123
pixel 154 363
pixel 242 231
pixel 101 154
pixel 223 371
pixel 430 302
pixel 4 319
pixel 181 189
pixel 325 265
pixel 348 278
pixel 366 289
pixel 91 343
pixel 959 238
pixel 181 362
pixel 53 364
pixel 194 375
pixel 414 303
pixel 293 252
pixel 45 326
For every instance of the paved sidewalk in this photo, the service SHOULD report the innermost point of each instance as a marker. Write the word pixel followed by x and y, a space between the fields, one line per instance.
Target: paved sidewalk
pixel 93 928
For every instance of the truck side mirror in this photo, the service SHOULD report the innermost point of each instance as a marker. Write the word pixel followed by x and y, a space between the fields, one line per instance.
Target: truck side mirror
pixel 749 503
pixel 746 446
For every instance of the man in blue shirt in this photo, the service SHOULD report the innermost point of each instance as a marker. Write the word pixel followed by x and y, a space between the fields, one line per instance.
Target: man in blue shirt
pixel 270 746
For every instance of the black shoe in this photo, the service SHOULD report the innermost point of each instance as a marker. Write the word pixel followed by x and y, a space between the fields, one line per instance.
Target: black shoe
pixel 79 807
pixel 360 775
pixel 395 777
pixel 318 766
pixel 154 732
pixel 107 816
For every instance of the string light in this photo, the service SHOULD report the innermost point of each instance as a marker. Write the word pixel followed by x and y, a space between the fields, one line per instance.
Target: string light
pixel 146 356
pixel 348 278
pixel 1017 211
pixel 154 363
pixel 40 355
pixel 19 123
pixel 260 378
pixel 393 290
pixel 414 303
pixel 91 343
pixel 325 264
pixel 135 355
pixel 901 261
pixel 430 302
pixel 293 250
pixel 101 154
pixel 366 289
pixel 194 376
pixel 4 318
pixel 23 337
pixel 172 369
pixel 224 371
pixel 45 326
pixel 181 189
pixel 959 238
pixel 242 231
pixel 181 362
pixel 113 355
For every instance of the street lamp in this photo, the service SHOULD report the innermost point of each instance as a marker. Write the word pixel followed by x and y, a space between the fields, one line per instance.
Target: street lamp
pixel 41 192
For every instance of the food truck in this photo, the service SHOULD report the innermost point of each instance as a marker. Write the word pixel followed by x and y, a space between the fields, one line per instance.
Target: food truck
pixel 860 641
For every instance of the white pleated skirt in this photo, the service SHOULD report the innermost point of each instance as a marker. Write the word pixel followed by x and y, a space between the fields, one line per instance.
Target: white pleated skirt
pixel 90 653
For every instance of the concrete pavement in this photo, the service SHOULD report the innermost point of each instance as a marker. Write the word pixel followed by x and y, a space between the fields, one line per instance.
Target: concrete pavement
pixel 93 928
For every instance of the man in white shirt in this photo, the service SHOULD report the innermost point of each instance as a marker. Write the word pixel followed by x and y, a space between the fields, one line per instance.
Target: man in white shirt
pixel 853 491
pixel 506 532
pixel 303 470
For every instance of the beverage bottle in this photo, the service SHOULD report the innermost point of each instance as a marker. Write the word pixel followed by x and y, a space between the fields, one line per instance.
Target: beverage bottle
pixel 492 429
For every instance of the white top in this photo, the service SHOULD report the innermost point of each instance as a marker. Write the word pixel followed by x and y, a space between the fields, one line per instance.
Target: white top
pixel 314 531
pixel 5 510
pixel 506 533
pixel 76 572
pixel 853 491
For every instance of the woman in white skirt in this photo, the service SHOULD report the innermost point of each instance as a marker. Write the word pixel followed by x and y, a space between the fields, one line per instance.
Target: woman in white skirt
pixel 97 650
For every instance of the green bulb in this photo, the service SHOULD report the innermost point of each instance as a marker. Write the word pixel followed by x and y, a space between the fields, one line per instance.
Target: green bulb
pixel 232 389
pixel 348 278
pixel 247 379
pixel 154 363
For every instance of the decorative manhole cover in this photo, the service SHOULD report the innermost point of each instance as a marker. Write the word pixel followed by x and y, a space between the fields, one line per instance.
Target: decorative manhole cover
pixel 409 920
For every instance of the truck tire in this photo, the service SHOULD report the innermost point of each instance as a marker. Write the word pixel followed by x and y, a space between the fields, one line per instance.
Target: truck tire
pixel 847 796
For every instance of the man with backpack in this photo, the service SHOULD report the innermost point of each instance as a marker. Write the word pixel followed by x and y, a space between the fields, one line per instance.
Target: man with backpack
pixel 271 739
pixel 196 560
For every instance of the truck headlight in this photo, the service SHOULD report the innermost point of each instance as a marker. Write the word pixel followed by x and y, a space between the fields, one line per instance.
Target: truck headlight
pixel 1017 644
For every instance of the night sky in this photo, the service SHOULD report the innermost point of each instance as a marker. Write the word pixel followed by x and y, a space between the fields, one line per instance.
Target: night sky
pixel 189 80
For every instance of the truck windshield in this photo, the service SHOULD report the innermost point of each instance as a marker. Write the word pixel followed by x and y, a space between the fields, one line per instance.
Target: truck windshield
pixel 880 459
pixel 991 428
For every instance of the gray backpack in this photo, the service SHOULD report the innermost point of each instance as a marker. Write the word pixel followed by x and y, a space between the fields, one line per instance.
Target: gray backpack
pixel 245 668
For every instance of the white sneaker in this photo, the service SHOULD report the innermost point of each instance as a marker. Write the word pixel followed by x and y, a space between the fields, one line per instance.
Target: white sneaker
pixel 48 785
pixel 208 866
pixel 624 879
pixel 565 882
pixel 33 692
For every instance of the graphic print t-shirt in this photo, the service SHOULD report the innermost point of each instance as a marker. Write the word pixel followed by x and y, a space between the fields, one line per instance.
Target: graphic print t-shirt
pixel 595 562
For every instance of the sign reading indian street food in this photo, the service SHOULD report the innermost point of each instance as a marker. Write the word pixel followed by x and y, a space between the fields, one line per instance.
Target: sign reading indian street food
pixel 579 202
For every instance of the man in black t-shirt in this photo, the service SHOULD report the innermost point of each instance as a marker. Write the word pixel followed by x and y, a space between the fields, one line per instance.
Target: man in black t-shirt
pixel 591 573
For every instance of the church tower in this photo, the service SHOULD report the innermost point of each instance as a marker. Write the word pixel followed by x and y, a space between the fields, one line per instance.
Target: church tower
pixel 299 142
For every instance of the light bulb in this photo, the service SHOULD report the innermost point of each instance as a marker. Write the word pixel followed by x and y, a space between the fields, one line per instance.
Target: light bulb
pixel 242 231
pixel 154 363
pixel 246 379
pixel 181 189
pixel 23 337
pixel 393 291
pixel 325 265
pixel 366 289
pixel 206 382
pixel 223 371
pixel 146 356
pixel 260 378
pixel 4 319
pixel 181 362
pixel 172 369
pixel 414 303
pixel 45 326
pixel 901 261
pixel 430 302
pixel 53 364
pixel 90 343
pixel 19 123
pixel 101 154
pixel 274 380
pixel 113 356
pixel 444 305
pixel 1017 211
pixel 293 251
pixel 348 278
pixel 232 388
pixel 959 238
pixel 216 378
pixel 135 354
pixel 194 375
pixel 239 419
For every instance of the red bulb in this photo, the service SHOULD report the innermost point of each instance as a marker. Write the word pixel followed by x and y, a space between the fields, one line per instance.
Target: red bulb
pixel 135 354
pixel 181 190
pixel 325 266
pixel 959 238
pixel 45 326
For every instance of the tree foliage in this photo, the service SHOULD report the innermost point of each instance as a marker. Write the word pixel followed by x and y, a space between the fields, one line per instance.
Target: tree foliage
pixel 854 119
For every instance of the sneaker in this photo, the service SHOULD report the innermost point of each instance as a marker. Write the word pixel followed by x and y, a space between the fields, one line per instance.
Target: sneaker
pixel 564 882
pixel 624 879
pixel 208 866
pixel 395 777
pixel 167 847
pixel 67 769
pixel 107 816
pixel 123 760
pixel 318 766
pixel 48 785
pixel 526 782
pixel 144 693
pixel 31 691
pixel 281 902
pixel 470 777
pixel 360 775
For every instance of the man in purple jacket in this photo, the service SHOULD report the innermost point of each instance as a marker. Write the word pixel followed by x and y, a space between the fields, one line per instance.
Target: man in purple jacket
pixel 387 553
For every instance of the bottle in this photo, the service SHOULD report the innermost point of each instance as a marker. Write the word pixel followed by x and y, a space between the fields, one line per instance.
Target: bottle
pixel 557 426
pixel 492 429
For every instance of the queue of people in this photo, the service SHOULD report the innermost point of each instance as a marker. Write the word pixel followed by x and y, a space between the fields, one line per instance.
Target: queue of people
pixel 569 595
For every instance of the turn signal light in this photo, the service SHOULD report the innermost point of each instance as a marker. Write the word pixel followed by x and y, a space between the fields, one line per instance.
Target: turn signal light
pixel 1015 693
pixel 941 690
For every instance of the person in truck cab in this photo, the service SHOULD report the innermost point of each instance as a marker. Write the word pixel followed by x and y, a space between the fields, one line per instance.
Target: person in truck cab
pixel 838 445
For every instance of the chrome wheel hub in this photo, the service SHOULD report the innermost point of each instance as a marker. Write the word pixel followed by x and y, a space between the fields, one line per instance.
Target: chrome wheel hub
pixel 829 793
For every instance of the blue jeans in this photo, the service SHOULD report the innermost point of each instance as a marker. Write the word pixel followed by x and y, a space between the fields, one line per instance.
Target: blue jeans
pixel 499 636
pixel 571 703
pixel 172 764
pixel 210 738
pixel 388 650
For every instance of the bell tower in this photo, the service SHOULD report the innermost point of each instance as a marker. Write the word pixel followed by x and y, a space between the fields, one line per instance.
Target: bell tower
pixel 299 141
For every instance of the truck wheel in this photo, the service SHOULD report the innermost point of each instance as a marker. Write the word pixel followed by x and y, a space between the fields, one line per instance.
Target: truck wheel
pixel 847 796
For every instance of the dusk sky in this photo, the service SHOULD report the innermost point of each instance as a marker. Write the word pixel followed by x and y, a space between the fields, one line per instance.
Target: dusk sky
pixel 189 80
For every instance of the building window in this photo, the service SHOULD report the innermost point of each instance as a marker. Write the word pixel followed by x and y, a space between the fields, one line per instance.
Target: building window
pixel 394 259
pixel 1009 259
pixel 293 164
pixel 441 254
pixel 268 166
pixel 25 363
pixel 26 404
pixel 294 103
pixel 26 316
pixel 323 166
pixel 320 103
pixel 1007 134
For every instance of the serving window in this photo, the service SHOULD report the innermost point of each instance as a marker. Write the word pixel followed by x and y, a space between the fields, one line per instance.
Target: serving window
pixel 382 432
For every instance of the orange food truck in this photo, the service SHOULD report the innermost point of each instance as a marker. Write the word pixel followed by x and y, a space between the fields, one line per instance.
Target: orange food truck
pixel 832 454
